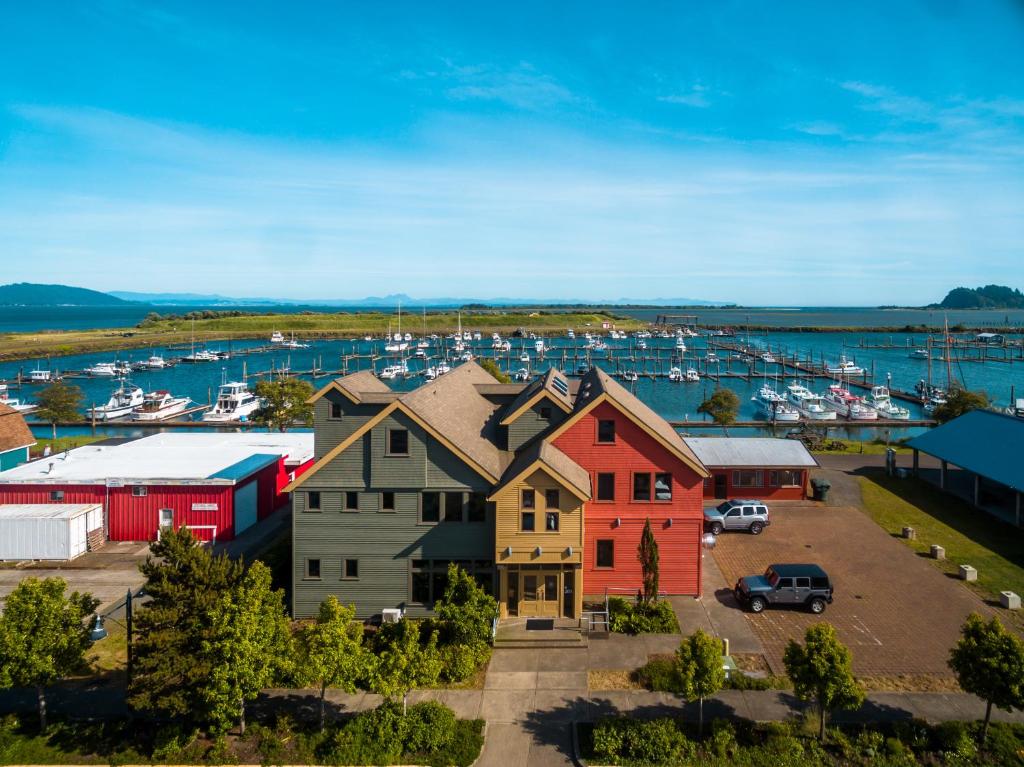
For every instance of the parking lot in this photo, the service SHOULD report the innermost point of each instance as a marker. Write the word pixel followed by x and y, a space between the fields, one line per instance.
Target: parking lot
pixel 897 613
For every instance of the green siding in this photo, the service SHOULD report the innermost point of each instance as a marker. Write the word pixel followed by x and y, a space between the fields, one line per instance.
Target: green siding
pixel 530 424
pixel 13 458
pixel 329 432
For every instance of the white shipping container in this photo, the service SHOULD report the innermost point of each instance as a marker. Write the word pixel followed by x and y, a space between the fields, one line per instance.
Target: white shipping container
pixel 47 530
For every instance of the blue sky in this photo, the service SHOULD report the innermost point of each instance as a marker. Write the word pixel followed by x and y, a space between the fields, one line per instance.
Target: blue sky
pixel 800 153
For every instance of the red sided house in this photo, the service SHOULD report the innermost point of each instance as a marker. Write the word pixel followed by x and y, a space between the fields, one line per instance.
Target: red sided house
pixel 754 467
pixel 640 468
pixel 217 484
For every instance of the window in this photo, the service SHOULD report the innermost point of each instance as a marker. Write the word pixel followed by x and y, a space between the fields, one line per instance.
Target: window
pixel 527 521
pixel 430 507
pixel 606 487
pixel 747 478
pixel 350 571
pixel 429 578
pixel 663 487
pixel 786 478
pixel 641 487
pixel 733 513
pixel 398 442
pixel 476 508
pixel 803 583
pixel 453 507
pixel 545 413
pixel 313 500
pixel 529 500
pixel 56 495
pixel 551 499
pixel 336 413
pixel 551 521
pixel 749 511
pixel 606 431
pixel 351 500
pixel 784 583
pixel 605 554
pixel 313 569
pixel 387 501
pixel 139 491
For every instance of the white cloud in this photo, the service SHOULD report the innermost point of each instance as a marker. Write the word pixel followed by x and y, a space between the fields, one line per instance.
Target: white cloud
pixel 697 97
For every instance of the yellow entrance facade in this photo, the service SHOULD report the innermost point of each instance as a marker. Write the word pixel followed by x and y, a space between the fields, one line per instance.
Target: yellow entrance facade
pixel 540 591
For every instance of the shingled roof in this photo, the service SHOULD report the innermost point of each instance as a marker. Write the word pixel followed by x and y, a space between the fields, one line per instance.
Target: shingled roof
pixel 554 384
pixel 561 466
pixel 14 432
pixel 357 387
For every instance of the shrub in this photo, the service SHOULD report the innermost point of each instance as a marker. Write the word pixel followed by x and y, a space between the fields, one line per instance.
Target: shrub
pixel 740 681
pixel 170 740
pixel 431 727
pixel 722 741
pixel 657 741
pixel 466 612
pixel 643 618
pixel 659 674
pixel 461 661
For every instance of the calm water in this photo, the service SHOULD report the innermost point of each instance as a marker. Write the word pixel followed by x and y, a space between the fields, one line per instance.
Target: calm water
pixel 675 401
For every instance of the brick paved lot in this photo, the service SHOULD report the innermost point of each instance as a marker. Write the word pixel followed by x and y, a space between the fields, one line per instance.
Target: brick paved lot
pixel 897 613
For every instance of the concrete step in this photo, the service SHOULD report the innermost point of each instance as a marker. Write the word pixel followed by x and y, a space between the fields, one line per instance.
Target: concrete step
pixel 542 643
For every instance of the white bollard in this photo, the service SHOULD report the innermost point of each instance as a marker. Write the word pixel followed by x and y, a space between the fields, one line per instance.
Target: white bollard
pixel 938 552
pixel 1009 600
pixel 968 573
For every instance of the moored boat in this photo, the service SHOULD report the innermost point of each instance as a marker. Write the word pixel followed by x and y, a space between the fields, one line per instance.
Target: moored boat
pixel 234 403
pixel 845 367
pixel 848 405
pixel 123 400
pixel 774 405
pixel 809 404
pixel 159 406
pixel 881 401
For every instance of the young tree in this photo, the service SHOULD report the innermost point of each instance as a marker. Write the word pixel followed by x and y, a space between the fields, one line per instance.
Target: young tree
pixel 989 662
pixel 285 401
pixel 466 611
pixel 185 585
pixel 647 553
pixel 723 406
pixel 331 652
pixel 405 664
pixel 59 402
pixel 249 646
pixel 959 401
pixel 43 636
pixel 821 671
pixel 492 367
pixel 699 665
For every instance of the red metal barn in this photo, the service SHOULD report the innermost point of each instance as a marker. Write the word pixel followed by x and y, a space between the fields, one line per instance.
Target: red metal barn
pixel 213 484
pixel 764 468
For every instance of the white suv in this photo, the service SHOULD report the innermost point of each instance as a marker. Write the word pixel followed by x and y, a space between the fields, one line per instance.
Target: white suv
pixel 749 515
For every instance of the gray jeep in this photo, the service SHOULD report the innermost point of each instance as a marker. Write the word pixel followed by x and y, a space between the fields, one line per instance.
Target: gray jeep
pixel 748 515
pixel 787 585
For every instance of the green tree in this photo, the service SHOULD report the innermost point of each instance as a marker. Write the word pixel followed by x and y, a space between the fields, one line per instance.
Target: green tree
pixel 699 665
pixel 647 553
pixel 723 406
pixel 821 671
pixel 185 585
pixel 404 664
pixel 988 662
pixel 285 402
pixel 248 646
pixel 59 402
pixel 959 401
pixel 331 652
pixel 43 636
pixel 466 611
pixel 492 367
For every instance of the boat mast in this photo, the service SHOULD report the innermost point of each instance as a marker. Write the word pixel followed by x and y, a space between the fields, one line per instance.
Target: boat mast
pixel 949 364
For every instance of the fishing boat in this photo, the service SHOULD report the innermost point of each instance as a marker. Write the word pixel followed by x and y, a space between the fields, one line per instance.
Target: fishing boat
pixel 159 406
pixel 393 371
pixel 629 375
pixel 774 405
pixel 13 403
pixel 276 337
pixel 919 354
pixel 203 355
pixel 767 358
pixel 234 403
pixel 123 400
pixel 101 369
pixel 711 358
pixel 935 401
pixel 39 376
pixel 466 356
pixel 845 367
pixel 809 404
pixel 153 362
pixel 538 346
pixel 521 375
pixel 692 376
pixel 680 344
pixel 675 374
pixel 291 343
pixel 880 400
pixel 848 405
pixel 524 357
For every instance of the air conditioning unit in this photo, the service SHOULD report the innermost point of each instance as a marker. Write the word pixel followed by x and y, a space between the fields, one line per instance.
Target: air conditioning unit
pixel 391 615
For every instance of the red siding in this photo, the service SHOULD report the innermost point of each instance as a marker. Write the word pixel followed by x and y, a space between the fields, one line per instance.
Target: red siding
pixel 764 492
pixel 634 451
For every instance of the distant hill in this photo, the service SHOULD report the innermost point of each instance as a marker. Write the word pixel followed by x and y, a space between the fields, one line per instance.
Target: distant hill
pixel 29 294
pixel 987 297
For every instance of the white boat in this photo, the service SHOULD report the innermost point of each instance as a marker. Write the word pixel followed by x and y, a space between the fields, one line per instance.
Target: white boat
pixel 809 404
pixel 154 362
pixel 123 400
pixel 934 402
pixel 711 358
pixel 538 346
pixel 880 400
pixel 39 376
pixel 767 358
pixel 570 333
pixel 276 337
pixel 919 354
pixel 524 357
pixel 101 369
pixel 394 371
pixel 506 346
pixel 396 346
pixel 641 344
pixel 675 374
pixel 630 375
pixel 692 376
pixel 476 335
pixel 291 343
pixel 368 338
pixel 774 405
pixel 521 375
pixel 14 404
pixel 420 353
pixel 234 403
pixel 159 406
pixel 466 356
pixel 680 344
pixel 203 355
pixel 423 344
pixel 845 367
pixel 848 405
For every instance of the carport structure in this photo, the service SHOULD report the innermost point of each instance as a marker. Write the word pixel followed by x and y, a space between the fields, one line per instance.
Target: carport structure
pixel 981 459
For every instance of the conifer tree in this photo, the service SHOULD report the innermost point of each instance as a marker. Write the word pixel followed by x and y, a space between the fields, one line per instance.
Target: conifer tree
pixel 647 553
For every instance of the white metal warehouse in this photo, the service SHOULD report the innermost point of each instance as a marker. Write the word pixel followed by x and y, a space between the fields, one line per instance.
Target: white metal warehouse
pixel 55 531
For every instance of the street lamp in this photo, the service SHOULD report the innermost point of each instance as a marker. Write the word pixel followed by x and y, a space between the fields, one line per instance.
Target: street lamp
pixel 97 632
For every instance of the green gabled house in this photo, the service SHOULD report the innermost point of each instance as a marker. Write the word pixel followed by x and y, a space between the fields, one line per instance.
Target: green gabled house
pixel 15 438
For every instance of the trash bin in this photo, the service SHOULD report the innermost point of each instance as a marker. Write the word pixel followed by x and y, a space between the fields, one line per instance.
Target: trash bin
pixel 821 488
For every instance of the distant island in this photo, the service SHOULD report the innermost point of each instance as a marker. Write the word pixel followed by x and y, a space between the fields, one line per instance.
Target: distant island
pixel 30 294
pixel 987 297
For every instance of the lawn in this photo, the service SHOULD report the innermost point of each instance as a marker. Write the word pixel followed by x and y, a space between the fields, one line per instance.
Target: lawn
pixel 852 446
pixel 969 536
pixel 61 444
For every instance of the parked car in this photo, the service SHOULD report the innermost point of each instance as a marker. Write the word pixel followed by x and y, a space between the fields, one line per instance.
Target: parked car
pixel 748 515
pixel 786 585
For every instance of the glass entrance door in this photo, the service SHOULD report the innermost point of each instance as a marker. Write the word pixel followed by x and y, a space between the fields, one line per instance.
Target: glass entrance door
pixel 539 594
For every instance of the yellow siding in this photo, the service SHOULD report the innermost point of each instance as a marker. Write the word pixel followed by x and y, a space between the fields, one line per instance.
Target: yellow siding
pixel 554 545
